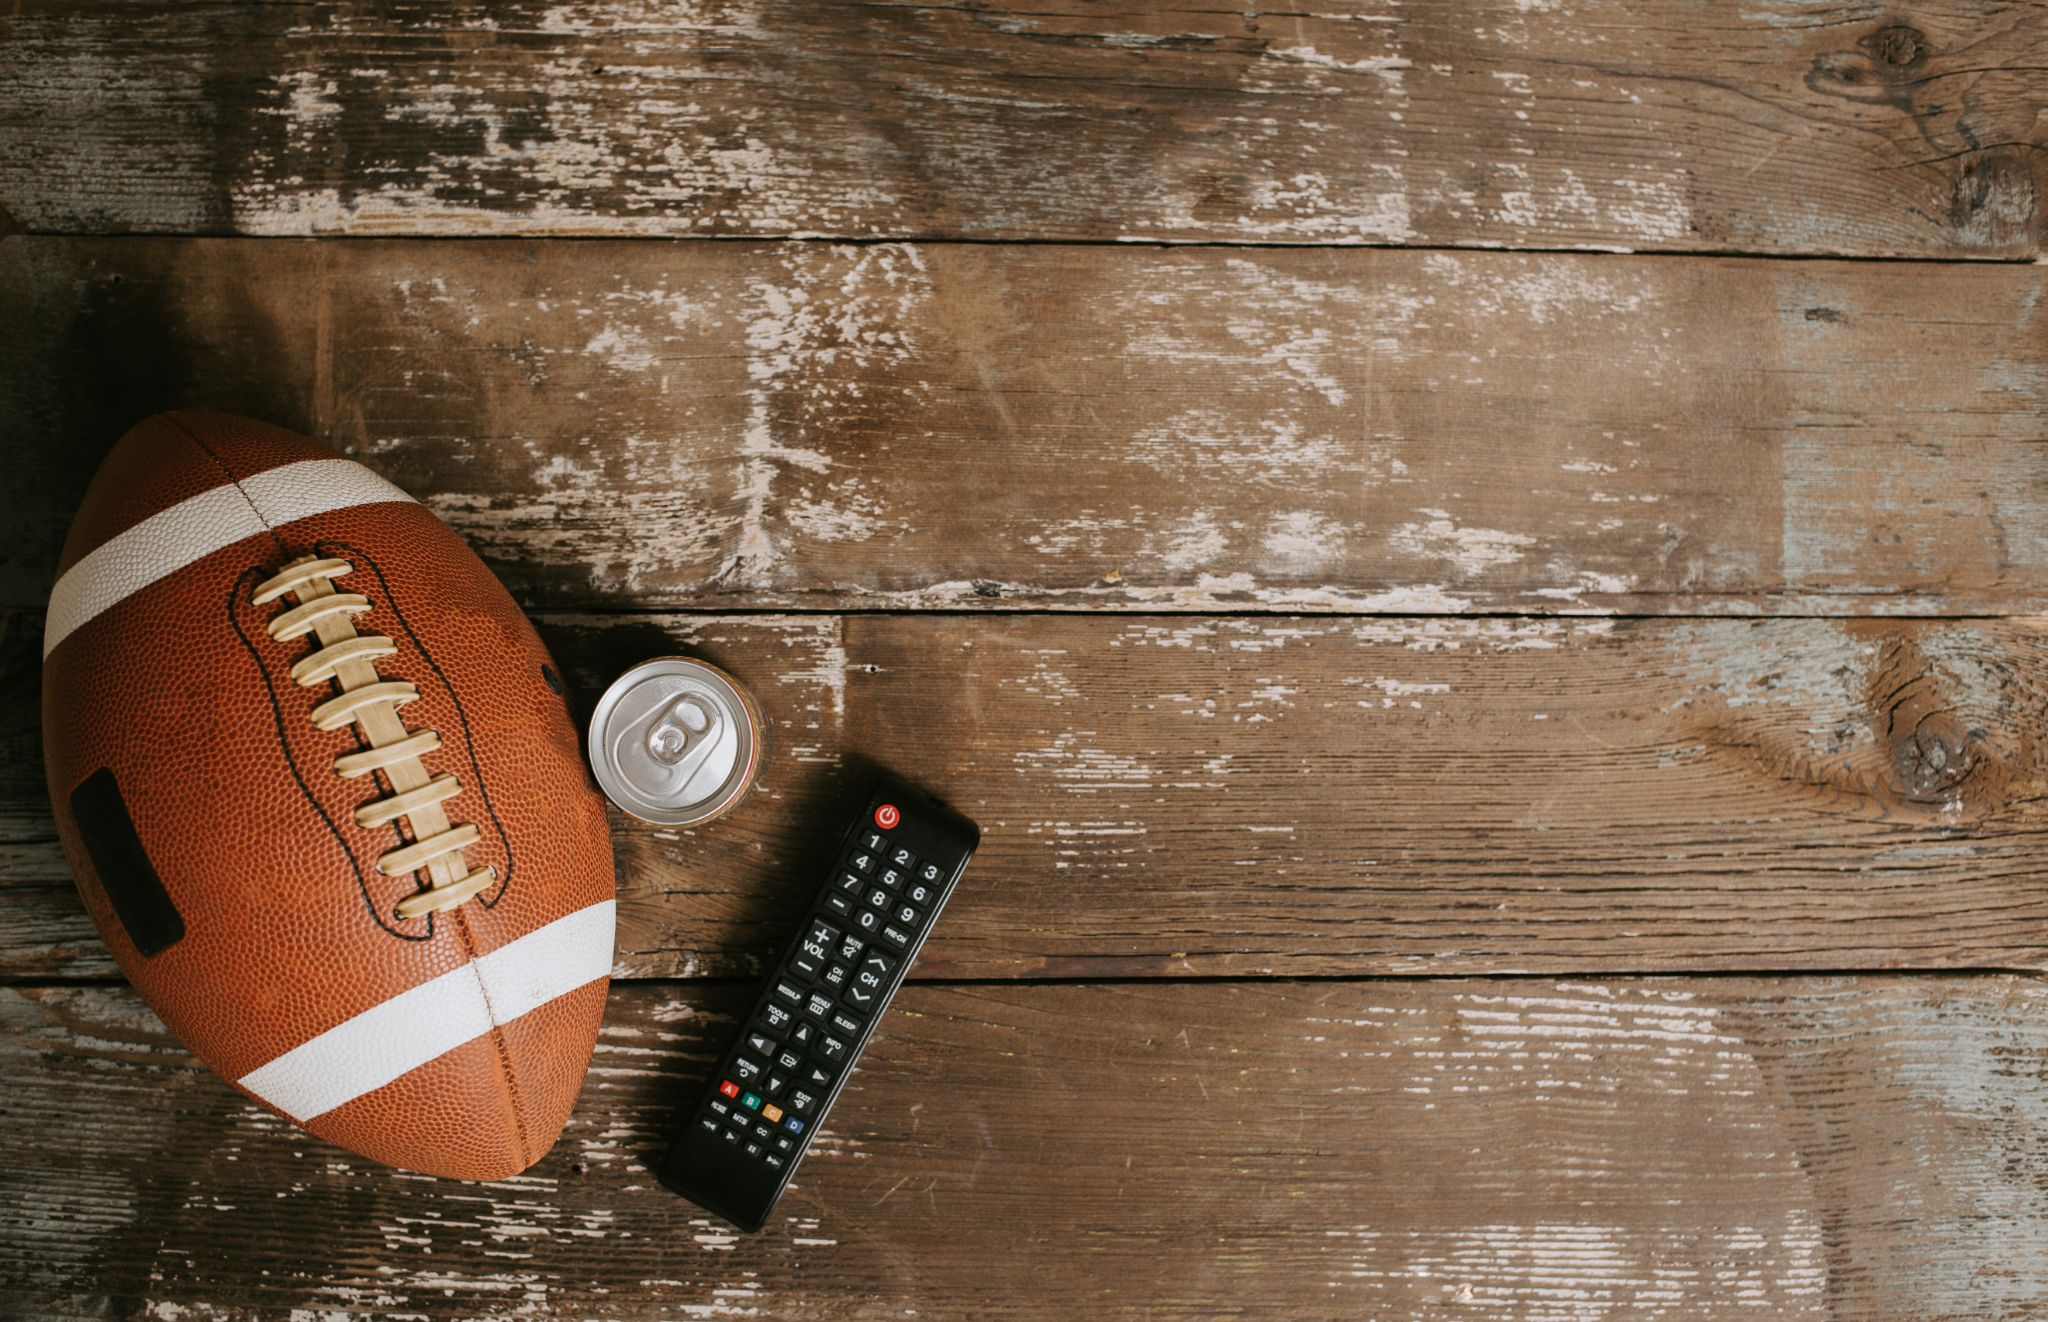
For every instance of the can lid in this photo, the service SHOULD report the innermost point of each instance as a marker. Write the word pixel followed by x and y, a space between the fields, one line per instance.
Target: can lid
pixel 674 741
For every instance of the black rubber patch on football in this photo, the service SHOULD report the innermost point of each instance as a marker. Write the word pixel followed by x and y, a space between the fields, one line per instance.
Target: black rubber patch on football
pixel 126 874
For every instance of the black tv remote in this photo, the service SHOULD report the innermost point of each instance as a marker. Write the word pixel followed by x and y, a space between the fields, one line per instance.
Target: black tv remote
pixel 772 1088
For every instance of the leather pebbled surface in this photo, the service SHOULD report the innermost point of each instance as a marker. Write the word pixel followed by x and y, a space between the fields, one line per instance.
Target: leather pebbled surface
pixel 289 927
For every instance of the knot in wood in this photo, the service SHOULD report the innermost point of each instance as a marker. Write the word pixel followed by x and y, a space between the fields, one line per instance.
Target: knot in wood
pixel 1898 46
pixel 1933 763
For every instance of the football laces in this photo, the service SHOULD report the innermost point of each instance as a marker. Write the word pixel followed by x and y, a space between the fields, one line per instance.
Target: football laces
pixel 369 701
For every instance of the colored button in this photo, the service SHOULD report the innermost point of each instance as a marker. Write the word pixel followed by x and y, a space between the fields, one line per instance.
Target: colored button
pixel 887 817
pixel 729 1088
pixel 772 1112
pixel 752 1101
pixel 792 1124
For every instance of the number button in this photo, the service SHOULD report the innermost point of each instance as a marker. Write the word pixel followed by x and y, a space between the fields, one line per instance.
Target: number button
pixel 863 862
pixel 919 893
pixel 873 841
pixel 908 915
pixel 902 857
pixel 930 872
pixel 867 920
pixel 878 898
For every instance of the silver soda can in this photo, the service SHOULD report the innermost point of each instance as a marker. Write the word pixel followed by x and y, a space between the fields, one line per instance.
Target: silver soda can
pixel 675 742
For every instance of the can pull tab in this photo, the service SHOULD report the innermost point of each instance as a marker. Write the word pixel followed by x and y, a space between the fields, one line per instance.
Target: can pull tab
pixel 681 737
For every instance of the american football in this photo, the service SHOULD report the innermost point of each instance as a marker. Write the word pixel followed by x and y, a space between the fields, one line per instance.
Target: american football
pixel 324 799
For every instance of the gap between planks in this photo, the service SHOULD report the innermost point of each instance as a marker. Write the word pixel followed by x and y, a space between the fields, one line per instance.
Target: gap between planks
pixel 1126 245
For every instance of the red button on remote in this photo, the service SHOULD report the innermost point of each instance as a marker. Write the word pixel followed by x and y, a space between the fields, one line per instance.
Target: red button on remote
pixel 886 816
pixel 729 1088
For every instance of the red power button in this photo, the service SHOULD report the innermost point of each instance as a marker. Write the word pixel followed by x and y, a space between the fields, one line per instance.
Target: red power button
pixel 886 816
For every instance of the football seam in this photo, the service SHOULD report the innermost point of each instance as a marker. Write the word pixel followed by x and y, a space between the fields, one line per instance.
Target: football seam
pixel 513 1100
pixel 176 420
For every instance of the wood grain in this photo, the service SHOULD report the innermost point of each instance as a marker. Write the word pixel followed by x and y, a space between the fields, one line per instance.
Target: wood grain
pixel 1847 1148
pixel 1163 796
pixel 644 425
pixel 1776 127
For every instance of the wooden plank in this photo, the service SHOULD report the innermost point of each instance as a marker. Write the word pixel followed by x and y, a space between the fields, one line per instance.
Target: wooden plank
pixel 1163 796
pixel 1366 431
pixel 1857 1147
pixel 1598 123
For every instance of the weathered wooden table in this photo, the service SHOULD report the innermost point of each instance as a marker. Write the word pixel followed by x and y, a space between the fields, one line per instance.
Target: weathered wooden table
pixel 1475 563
